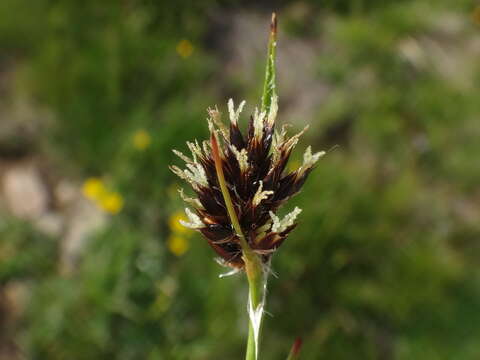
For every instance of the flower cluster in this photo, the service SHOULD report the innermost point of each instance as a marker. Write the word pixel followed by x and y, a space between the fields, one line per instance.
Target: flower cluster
pixel 141 139
pixel 257 180
pixel 109 201
pixel 185 48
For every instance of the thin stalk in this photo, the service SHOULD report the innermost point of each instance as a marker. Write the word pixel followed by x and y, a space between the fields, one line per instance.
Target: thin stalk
pixel 256 276
pixel 253 264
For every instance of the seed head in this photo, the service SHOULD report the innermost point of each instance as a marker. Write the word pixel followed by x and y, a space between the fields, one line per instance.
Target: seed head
pixel 254 167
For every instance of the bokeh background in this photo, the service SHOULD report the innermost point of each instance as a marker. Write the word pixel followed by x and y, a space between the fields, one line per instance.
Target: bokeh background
pixel 95 94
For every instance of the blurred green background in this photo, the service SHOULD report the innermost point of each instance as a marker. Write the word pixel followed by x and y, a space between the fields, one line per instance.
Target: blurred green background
pixel 95 94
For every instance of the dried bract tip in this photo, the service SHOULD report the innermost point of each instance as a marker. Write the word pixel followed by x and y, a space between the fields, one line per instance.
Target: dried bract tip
pixel 273 24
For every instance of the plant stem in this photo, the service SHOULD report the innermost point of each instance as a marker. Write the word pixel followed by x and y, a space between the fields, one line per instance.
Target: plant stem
pixel 256 286
pixel 253 263
pixel 256 276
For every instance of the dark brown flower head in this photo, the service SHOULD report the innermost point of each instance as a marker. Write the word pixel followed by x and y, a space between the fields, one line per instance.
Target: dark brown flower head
pixel 254 166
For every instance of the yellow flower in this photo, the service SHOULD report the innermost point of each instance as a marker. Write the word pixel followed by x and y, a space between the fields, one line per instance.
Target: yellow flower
pixel 174 223
pixel 141 139
pixel 111 202
pixel 185 48
pixel 93 188
pixel 178 245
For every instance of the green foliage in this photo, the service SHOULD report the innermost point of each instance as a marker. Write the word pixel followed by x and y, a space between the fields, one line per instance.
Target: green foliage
pixel 383 264
pixel 24 253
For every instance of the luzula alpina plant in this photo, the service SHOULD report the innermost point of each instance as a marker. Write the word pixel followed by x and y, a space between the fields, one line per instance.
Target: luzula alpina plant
pixel 241 181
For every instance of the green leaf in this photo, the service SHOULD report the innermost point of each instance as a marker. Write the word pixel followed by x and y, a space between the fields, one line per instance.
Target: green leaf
pixel 269 87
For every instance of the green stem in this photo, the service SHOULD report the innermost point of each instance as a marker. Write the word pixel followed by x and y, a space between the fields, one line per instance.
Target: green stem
pixel 253 263
pixel 256 275
pixel 256 292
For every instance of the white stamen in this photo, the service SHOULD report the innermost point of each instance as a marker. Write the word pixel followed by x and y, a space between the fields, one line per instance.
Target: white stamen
pixel 192 201
pixel 242 158
pixel 195 149
pixel 195 174
pixel 195 222
pixel 261 195
pixel 182 156
pixel 215 118
pixel 292 142
pixel 281 225
pixel 234 115
pixel 310 159
pixel 214 114
pixel 211 127
pixel 277 141
pixel 206 147
pixel 272 114
pixel 258 123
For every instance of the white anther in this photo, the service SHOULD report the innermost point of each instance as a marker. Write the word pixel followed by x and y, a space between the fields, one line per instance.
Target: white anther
pixel 194 220
pixel 281 225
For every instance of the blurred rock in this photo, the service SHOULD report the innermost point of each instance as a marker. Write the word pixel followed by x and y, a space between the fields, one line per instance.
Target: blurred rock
pixel 84 218
pixel 65 193
pixel 25 194
pixel 50 223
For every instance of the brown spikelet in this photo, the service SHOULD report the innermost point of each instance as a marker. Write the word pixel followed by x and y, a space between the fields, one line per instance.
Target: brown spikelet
pixel 254 167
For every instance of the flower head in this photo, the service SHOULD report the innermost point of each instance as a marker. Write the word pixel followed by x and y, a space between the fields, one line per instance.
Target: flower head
pixel 141 139
pixel 185 48
pixel 257 179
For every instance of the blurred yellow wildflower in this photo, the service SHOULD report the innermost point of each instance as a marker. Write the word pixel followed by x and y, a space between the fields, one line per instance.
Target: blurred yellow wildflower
pixel 185 48
pixel 93 188
pixel 174 223
pixel 141 139
pixel 111 202
pixel 178 245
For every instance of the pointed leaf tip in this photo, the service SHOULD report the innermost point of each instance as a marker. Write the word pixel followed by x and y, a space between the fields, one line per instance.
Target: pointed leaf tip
pixel 269 87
